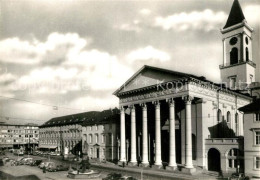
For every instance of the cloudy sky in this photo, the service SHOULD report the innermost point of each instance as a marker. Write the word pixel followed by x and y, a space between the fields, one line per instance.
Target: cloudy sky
pixel 75 54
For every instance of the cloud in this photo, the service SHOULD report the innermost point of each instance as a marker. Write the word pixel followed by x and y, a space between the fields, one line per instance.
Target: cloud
pixel 145 11
pixel 206 20
pixel 16 51
pixel 95 103
pixel 66 64
pixel 7 77
pixel 148 53
pixel 252 13
pixel 102 71
pixel 130 27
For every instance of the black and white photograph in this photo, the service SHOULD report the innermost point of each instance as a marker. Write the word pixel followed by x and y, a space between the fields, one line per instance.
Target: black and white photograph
pixel 130 89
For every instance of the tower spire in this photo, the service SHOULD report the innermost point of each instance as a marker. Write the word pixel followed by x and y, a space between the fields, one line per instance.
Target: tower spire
pixel 236 15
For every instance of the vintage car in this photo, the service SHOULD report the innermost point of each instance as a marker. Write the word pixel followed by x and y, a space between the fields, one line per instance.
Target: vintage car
pixel 44 164
pixel 36 162
pixel 55 167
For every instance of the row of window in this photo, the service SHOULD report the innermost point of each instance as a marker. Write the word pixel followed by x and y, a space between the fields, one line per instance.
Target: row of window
pixel 90 140
pixel 55 135
pixel 96 127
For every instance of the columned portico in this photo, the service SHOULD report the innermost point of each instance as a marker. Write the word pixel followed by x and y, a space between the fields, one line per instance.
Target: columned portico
pixel 158 158
pixel 122 135
pixel 145 161
pixel 133 160
pixel 172 155
pixel 188 133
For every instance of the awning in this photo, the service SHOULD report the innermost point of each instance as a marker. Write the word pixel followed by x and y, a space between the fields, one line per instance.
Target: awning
pixel 6 145
pixel 47 147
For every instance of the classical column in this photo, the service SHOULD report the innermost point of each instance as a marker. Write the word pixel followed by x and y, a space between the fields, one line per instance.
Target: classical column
pixel 122 135
pixel 172 154
pixel 158 158
pixel 145 161
pixel 188 133
pixel 133 160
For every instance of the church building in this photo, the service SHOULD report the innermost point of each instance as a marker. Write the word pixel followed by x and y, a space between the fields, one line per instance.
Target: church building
pixel 182 121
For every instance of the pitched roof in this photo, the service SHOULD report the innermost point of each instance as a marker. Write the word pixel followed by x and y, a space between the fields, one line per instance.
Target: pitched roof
pixel 91 117
pixel 252 107
pixel 236 15
pixel 185 76
pixel 166 71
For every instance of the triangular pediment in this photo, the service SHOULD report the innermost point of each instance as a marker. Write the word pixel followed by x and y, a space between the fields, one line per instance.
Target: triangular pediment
pixel 148 76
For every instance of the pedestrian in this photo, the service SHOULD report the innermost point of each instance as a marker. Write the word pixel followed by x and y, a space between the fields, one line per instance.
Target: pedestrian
pixel 123 164
pixel 44 169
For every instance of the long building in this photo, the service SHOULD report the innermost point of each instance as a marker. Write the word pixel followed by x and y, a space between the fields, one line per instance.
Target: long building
pixel 17 135
pixel 65 134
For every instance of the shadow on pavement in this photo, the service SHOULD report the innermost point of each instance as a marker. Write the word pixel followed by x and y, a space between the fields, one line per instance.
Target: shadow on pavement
pixel 5 176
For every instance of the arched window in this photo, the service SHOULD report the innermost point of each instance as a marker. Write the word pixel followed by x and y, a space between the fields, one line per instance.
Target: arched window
pixel 234 158
pixel 247 54
pixel 234 56
pixel 228 117
pixel 219 115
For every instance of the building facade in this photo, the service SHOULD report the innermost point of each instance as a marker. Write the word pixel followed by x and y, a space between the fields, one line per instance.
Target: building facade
pixel 71 134
pixel 99 136
pixel 196 121
pixel 16 136
pixel 62 134
pixel 252 138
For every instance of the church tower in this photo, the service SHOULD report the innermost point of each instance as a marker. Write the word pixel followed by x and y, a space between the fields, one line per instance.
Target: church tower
pixel 237 69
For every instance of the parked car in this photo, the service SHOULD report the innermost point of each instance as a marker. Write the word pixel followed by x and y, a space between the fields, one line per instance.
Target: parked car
pixel 54 167
pixel 19 152
pixel 19 161
pixel 11 150
pixel 112 176
pixel 127 178
pixel 2 152
pixel 27 161
pixel 44 164
pixel 36 162
pixel 238 176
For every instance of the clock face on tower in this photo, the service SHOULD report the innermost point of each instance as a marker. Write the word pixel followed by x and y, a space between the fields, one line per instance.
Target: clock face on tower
pixel 233 41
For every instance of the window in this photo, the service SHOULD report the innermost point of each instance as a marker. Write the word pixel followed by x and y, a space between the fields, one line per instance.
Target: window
pixel 257 117
pixel 257 137
pixel 219 115
pixel 236 122
pixel 247 54
pixel 251 78
pixel 233 82
pixel 90 138
pixel 96 138
pixel 234 158
pixel 228 117
pixel 234 56
pixel 257 162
